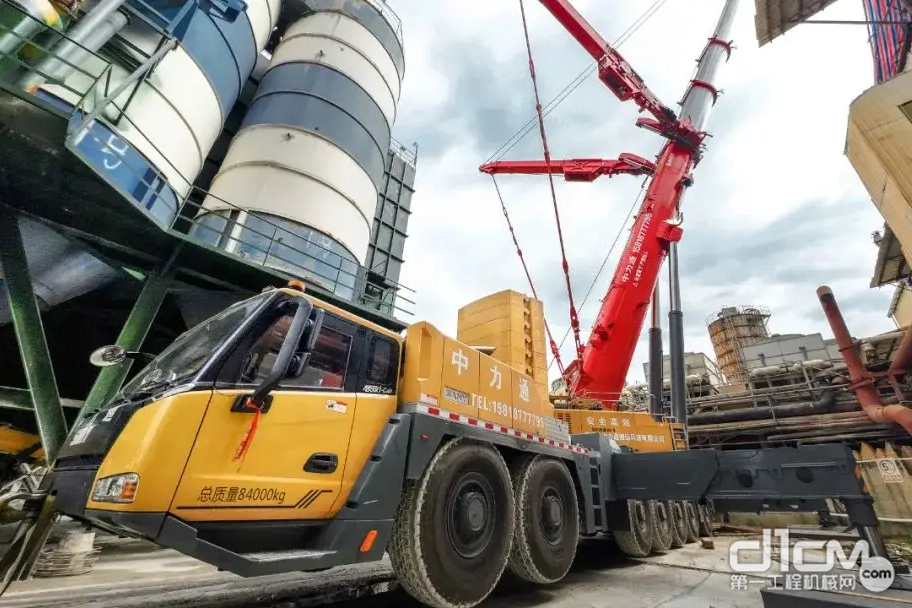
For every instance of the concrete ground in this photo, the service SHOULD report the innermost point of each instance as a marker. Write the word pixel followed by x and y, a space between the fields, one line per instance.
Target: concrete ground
pixel 132 575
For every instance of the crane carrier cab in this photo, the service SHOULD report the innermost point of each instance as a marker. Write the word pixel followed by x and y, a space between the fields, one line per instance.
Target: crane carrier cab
pixel 285 434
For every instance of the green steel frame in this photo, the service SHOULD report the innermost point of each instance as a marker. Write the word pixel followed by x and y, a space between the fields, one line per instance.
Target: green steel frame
pixel 36 360
pixel 134 331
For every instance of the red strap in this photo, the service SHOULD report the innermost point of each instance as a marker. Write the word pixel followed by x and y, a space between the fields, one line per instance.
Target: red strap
pixel 242 448
pixel 574 318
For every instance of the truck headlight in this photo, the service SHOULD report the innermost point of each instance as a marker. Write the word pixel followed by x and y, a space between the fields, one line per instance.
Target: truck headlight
pixel 116 488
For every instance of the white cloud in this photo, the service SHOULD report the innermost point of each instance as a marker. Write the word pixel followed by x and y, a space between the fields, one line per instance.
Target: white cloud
pixel 776 208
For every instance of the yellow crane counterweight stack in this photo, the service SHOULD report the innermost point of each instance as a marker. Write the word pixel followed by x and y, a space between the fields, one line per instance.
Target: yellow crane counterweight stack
pixel 513 326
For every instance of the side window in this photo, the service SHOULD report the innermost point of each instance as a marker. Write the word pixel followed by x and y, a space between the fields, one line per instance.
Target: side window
pixel 329 362
pixel 382 366
pixel 262 356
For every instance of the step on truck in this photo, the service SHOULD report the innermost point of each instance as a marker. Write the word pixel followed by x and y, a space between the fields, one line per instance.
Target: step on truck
pixel 285 434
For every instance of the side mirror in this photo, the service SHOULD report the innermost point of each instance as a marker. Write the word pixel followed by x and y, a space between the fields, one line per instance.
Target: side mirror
pixel 106 356
pixel 308 341
pixel 286 353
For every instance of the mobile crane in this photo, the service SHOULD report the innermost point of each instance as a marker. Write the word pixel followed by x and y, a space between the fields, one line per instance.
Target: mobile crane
pixel 286 434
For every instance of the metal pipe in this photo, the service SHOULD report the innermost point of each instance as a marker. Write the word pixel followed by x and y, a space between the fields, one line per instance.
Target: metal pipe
pixel 676 338
pixel 33 21
pixel 701 93
pixel 655 358
pixel 89 34
pixel 785 410
pixel 863 383
pixel 902 358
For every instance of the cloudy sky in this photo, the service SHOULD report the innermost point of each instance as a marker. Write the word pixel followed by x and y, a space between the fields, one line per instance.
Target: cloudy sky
pixel 776 209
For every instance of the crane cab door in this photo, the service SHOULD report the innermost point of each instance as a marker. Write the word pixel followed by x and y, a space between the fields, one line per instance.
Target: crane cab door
pixel 295 457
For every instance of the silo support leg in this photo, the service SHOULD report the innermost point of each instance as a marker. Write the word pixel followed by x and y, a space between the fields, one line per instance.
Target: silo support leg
pixel 134 332
pixel 36 359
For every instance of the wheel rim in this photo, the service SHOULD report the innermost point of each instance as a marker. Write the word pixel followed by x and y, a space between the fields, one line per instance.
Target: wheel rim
pixel 470 525
pixel 552 510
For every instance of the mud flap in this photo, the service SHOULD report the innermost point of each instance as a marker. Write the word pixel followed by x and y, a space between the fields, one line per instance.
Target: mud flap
pixel 23 551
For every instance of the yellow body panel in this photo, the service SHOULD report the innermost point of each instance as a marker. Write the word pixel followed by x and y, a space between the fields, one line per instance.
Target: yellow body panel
pixel 423 362
pixel 443 372
pixel 496 380
pixel 636 430
pixel 459 375
pixel 528 406
pixel 13 441
pixel 155 444
pixel 270 482
pixel 371 416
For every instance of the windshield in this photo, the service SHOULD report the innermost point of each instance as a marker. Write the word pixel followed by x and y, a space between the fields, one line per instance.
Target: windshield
pixel 187 354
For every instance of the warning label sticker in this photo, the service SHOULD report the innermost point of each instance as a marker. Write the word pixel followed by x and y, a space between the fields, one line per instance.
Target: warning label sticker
pixel 889 470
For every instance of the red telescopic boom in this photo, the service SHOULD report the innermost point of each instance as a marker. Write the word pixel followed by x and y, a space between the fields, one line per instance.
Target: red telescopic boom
pixel 600 371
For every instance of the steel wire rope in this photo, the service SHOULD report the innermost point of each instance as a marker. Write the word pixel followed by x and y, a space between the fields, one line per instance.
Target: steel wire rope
pixel 565 265
pixel 575 83
pixel 601 269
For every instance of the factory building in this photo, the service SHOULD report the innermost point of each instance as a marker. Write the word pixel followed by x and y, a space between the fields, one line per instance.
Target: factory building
pixel 879 130
pixel 892 269
pixel 784 349
pixel 697 366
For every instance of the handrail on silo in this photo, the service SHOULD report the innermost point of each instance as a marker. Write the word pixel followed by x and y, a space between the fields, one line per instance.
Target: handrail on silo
pixel 387 12
pixel 409 155
pixel 323 273
pixel 88 112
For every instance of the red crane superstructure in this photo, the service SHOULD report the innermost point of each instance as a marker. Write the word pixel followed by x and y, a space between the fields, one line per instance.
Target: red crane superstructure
pixel 601 364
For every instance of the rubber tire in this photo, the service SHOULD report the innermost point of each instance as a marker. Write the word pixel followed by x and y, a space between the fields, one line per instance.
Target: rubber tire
pixel 706 519
pixel 663 532
pixel 679 524
pixel 637 542
pixel 423 558
pixel 692 519
pixel 533 558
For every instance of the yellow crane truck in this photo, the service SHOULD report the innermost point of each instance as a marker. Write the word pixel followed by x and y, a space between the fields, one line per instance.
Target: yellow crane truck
pixel 285 434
